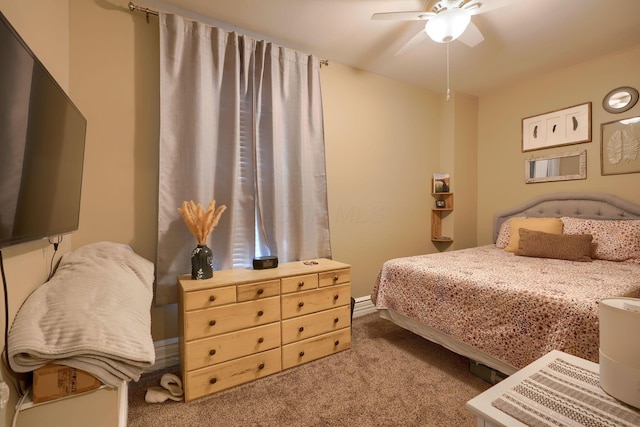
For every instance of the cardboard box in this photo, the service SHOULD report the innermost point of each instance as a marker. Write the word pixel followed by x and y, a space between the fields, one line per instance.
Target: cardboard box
pixel 56 381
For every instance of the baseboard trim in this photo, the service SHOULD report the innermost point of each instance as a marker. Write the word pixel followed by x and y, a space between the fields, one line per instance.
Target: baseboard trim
pixel 168 351
pixel 167 354
pixel 363 306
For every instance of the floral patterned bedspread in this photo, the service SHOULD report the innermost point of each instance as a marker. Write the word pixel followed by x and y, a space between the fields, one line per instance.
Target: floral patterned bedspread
pixel 513 308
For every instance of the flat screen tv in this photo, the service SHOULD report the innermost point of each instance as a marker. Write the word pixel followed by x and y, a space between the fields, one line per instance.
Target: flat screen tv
pixel 42 138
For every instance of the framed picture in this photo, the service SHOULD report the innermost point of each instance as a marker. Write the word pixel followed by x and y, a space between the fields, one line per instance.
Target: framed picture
pixel 441 183
pixel 620 146
pixel 562 127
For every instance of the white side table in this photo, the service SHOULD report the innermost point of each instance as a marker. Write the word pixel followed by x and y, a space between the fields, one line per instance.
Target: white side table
pixel 490 416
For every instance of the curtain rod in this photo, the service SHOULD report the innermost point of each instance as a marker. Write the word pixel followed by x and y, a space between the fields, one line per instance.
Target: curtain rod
pixel 135 8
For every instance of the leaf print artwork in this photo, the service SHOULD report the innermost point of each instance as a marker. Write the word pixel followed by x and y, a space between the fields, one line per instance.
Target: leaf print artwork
pixel 622 145
pixel 630 145
pixel 614 148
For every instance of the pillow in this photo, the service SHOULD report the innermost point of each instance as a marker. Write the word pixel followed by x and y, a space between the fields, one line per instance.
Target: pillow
pixel 572 247
pixel 548 225
pixel 503 235
pixel 614 240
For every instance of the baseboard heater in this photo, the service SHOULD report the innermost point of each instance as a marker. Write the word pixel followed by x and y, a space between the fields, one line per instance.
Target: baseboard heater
pixel 486 373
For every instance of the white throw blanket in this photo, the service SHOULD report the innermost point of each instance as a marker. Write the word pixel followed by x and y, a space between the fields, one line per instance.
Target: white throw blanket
pixel 93 315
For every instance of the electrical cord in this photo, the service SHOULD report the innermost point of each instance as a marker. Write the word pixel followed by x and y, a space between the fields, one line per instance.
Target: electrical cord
pixel 5 360
pixel 14 422
pixel 53 257
pixel 6 311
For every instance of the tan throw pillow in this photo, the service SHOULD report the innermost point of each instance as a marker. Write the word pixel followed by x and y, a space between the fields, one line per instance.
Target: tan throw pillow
pixel 548 225
pixel 572 247
pixel 503 235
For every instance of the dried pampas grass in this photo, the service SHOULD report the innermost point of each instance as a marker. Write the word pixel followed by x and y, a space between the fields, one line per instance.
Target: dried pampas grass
pixel 200 222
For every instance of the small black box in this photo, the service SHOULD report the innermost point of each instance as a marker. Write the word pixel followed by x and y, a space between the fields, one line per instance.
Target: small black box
pixel 264 262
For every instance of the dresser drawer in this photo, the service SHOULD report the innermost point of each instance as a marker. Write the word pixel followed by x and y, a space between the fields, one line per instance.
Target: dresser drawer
pixel 336 277
pixel 301 303
pixel 299 283
pixel 209 298
pixel 229 374
pixel 256 291
pixel 299 328
pixel 221 348
pixel 314 348
pixel 219 320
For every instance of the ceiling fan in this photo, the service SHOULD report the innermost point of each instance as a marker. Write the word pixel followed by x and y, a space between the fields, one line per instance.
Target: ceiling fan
pixel 446 20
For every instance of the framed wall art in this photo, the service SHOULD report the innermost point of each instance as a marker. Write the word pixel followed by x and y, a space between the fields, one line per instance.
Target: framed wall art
pixel 620 146
pixel 562 127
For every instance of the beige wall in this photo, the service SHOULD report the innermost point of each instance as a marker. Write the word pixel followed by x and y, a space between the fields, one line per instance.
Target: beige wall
pixel 500 160
pixel 384 140
pixel 45 28
pixel 115 80
pixel 374 128
pixel 458 152
pixel 381 147
pixel 28 265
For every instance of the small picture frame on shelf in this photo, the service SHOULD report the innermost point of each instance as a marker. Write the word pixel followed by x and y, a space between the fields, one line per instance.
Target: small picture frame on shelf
pixel 441 183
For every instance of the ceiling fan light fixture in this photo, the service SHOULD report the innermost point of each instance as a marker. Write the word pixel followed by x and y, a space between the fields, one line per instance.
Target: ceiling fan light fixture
pixel 447 25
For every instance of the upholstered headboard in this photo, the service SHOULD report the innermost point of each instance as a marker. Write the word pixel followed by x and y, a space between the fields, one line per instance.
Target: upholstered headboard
pixel 579 205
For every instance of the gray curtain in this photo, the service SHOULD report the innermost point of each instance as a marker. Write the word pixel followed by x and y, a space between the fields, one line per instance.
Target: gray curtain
pixel 240 122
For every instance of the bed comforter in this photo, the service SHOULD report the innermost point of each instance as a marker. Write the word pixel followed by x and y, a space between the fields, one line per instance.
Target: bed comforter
pixel 513 308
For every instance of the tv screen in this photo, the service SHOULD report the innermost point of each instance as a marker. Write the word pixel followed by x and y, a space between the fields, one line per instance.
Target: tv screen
pixel 42 137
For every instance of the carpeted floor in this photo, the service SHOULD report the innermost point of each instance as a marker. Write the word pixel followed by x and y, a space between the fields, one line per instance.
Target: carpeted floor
pixel 389 377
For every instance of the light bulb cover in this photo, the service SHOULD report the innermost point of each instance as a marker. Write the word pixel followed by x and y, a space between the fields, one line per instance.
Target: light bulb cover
pixel 448 25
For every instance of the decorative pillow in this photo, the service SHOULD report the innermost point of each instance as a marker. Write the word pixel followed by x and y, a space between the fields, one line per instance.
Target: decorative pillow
pixel 572 247
pixel 614 240
pixel 548 225
pixel 503 235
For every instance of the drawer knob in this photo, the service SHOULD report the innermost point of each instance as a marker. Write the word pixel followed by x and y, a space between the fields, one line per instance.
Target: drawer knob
pixel 335 278
pixel 260 291
pixel 336 320
pixel 260 313
pixel 213 380
pixel 212 298
pixel 261 366
pixel 260 340
pixel 301 304
pixel 336 343
pixel 212 322
pixel 301 283
pixel 212 352
pixel 335 297
pixel 301 354
pixel 301 329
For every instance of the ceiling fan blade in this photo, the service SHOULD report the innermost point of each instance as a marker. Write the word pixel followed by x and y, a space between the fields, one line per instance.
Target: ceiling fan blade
pixel 471 36
pixel 402 16
pixel 420 37
pixel 483 6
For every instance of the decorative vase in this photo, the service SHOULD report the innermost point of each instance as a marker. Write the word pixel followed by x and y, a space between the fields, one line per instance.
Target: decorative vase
pixel 201 263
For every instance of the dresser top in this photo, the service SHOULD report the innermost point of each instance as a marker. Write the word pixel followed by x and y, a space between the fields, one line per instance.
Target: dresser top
pixel 246 275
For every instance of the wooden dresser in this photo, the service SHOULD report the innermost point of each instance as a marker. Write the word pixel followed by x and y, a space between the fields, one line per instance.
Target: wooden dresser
pixel 244 324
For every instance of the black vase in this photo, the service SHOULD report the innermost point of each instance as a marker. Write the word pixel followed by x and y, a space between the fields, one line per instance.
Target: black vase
pixel 201 263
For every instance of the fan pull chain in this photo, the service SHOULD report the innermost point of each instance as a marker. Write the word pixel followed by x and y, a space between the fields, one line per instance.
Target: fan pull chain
pixel 448 91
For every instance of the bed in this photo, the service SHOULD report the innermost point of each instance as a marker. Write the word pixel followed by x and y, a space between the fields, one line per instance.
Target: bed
pixel 534 290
